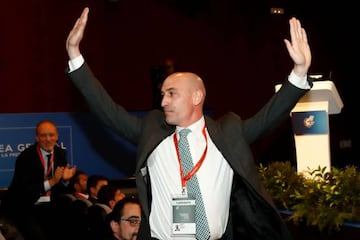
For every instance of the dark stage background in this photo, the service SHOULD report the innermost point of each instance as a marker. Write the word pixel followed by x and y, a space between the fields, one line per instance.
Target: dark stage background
pixel 235 46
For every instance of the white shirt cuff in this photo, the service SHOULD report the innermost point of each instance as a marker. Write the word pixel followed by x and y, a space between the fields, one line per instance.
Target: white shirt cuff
pixel 76 63
pixel 47 185
pixel 300 82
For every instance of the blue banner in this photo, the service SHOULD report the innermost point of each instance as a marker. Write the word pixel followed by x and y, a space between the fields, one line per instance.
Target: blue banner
pixel 90 146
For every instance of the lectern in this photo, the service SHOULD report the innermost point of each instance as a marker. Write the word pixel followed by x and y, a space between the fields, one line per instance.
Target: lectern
pixel 310 122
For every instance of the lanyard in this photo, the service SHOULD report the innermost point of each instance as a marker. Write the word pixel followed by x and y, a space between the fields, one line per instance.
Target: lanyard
pixel 196 167
pixel 43 161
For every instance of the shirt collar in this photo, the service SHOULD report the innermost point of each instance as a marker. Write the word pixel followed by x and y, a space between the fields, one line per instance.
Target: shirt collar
pixel 45 153
pixel 195 127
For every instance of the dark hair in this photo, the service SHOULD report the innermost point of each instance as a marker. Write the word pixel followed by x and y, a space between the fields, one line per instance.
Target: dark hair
pixel 118 209
pixel 116 214
pixel 107 193
pixel 75 179
pixel 94 179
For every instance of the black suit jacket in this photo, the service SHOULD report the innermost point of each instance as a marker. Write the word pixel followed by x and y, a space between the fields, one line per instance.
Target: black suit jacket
pixel 27 184
pixel 253 214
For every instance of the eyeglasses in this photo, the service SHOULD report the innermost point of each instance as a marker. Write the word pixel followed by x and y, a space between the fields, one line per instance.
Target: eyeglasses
pixel 133 221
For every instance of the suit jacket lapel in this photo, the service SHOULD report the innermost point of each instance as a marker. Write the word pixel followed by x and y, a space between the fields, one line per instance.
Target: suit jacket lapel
pixel 151 140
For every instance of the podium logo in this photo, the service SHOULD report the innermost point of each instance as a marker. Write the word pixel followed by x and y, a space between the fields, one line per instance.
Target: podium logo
pixel 309 121
pixel 312 122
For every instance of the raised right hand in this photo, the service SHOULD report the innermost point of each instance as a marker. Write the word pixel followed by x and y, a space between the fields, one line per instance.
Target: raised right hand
pixel 298 48
pixel 76 34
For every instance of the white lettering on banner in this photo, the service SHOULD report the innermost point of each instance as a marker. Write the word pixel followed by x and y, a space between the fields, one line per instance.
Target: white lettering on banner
pixel 62 145
pixel 21 147
pixel 5 155
pixel 7 151
pixel 5 148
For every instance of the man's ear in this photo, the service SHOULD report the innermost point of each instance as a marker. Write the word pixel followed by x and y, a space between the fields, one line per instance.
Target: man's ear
pixel 114 226
pixel 197 97
pixel 112 203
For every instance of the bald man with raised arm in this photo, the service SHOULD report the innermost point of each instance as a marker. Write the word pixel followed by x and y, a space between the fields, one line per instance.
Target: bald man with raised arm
pixel 236 204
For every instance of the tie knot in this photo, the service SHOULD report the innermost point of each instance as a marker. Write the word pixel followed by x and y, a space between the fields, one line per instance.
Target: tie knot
pixel 184 132
pixel 49 156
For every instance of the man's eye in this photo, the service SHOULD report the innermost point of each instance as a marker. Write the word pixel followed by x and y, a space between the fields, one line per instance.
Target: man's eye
pixel 134 221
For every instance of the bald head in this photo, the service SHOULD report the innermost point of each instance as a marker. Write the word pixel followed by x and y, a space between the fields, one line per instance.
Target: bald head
pixel 183 98
pixel 187 80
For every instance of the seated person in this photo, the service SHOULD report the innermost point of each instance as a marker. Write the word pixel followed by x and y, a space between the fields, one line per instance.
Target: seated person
pixel 124 220
pixel 94 183
pixel 78 185
pixel 108 196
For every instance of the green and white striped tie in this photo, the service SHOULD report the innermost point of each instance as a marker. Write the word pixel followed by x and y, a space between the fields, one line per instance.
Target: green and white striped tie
pixel 192 186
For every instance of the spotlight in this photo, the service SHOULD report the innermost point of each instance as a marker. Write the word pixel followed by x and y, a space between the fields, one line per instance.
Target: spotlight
pixel 277 11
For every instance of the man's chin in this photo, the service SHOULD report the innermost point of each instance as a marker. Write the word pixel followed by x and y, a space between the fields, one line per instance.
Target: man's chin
pixel 169 120
pixel 48 148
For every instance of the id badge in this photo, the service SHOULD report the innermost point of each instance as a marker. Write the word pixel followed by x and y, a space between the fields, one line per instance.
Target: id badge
pixel 183 223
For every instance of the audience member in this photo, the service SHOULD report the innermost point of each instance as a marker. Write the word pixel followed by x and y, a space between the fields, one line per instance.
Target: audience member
pixel 41 173
pixel 124 220
pixel 78 185
pixel 108 196
pixel 96 220
pixel 231 203
pixel 94 183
